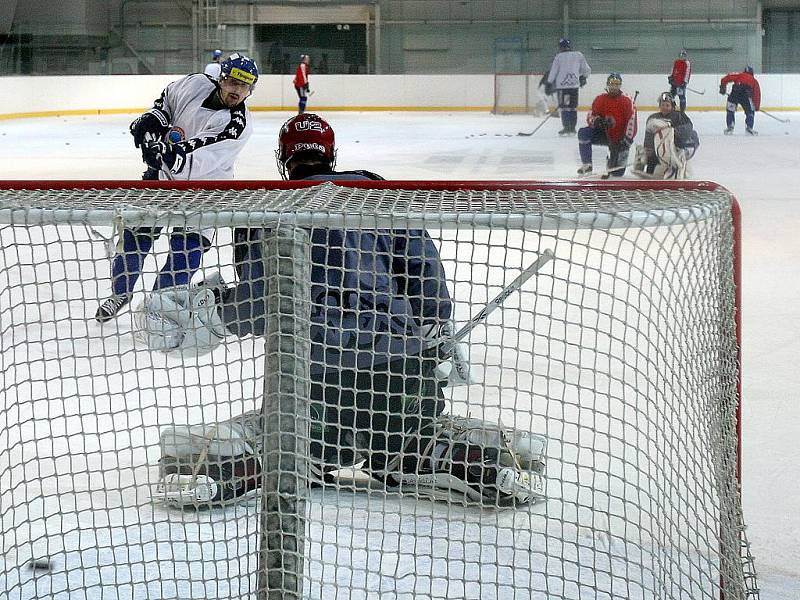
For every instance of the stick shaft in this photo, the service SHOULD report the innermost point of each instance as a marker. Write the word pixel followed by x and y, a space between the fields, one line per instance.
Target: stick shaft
pixel 512 287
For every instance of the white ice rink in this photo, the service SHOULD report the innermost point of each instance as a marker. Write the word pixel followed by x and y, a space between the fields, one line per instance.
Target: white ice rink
pixel 761 171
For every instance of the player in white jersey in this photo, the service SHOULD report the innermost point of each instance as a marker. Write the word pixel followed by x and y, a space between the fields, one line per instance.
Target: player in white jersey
pixel 195 130
pixel 213 69
pixel 568 72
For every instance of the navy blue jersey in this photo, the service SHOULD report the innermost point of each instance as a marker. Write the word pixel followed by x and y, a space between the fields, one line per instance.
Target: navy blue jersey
pixel 371 291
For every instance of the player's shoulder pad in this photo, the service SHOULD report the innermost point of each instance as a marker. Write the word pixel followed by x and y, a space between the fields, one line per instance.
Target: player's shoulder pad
pixel 363 173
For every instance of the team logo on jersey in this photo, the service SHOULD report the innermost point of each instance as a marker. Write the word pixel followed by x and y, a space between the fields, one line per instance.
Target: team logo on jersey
pixel 175 135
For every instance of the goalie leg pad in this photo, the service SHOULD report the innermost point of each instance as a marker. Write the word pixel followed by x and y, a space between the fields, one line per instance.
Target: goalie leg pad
pixel 210 464
pixel 183 318
pixel 476 462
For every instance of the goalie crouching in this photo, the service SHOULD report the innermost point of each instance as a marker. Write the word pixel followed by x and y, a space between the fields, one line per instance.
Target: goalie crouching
pixel 670 141
pixel 382 351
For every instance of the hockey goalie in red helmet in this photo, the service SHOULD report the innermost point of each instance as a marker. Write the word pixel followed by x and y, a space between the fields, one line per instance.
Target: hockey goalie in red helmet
pixel 305 138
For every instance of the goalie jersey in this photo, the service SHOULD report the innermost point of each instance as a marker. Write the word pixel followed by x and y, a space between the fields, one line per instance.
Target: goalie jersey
pixel 212 137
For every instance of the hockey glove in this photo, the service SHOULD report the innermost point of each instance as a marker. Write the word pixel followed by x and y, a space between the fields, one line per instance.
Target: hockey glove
pixel 454 364
pixel 548 88
pixel 154 121
pixel 183 319
pixel 670 80
pixel 601 122
pixel 582 80
pixel 722 89
pixel 625 143
pixel 160 155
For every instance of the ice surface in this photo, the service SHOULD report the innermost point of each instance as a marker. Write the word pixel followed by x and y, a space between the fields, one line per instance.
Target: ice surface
pixel 760 171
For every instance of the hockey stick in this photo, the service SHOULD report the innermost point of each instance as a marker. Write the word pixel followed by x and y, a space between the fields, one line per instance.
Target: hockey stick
pixel 544 258
pixel 539 126
pixel 771 116
pixel 698 92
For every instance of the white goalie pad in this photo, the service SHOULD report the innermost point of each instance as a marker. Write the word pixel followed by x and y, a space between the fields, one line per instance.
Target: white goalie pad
pixel 182 319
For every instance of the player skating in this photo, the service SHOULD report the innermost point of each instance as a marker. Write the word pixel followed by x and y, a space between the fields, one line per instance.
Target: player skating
pixel 745 92
pixel 568 72
pixel 612 123
pixel 382 350
pixel 195 130
pixel 679 78
pixel 213 69
pixel 669 142
pixel 301 84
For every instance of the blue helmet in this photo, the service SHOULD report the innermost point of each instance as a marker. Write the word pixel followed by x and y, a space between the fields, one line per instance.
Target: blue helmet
pixel 564 44
pixel 748 69
pixel 239 67
pixel 216 54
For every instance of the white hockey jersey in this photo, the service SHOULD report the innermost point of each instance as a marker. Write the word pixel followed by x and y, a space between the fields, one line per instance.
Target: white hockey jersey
pixel 567 68
pixel 211 137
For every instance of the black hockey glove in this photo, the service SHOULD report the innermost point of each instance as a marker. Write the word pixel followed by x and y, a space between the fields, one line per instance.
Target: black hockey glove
pixel 722 89
pixel 307 87
pixel 601 123
pixel 159 155
pixel 670 80
pixel 154 121
pixel 625 143
pixel 548 88
pixel 582 80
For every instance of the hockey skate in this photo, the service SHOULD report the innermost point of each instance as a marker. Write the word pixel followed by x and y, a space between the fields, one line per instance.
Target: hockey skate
pixel 585 169
pixel 566 131
pixel 471 461
pixel 751 131
pixel 728 131
pixel 111 307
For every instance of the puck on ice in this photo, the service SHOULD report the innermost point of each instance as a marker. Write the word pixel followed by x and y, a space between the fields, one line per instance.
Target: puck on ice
pixel 40 564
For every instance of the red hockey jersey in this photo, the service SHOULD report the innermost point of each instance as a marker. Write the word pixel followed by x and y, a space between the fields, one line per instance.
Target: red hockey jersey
pixel 621 112
pixel 681 71
pixel 301 75
pixel 745 80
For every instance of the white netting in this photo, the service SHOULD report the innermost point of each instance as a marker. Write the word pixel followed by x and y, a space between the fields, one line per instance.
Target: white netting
pixel 621 350
pixel 516 93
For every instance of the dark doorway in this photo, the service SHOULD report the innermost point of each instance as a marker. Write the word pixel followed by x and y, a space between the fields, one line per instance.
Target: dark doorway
pixel 340 48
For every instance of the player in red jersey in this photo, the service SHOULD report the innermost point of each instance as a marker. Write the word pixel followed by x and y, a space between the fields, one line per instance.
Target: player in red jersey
pixel 612 123
pixel 679 78
pixel 301 83
pixel 745 92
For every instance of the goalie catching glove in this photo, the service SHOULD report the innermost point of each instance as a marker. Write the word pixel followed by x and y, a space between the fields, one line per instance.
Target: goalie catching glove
pixel 182 318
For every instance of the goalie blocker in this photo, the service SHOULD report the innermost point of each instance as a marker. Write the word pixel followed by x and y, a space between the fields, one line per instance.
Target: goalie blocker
pixel 382 350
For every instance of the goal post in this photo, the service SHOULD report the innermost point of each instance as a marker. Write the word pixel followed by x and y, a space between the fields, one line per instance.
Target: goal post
pixel 623 351
pixel 519 93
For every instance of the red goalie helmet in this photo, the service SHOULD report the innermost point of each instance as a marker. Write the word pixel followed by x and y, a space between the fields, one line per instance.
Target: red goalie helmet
pixel 305 133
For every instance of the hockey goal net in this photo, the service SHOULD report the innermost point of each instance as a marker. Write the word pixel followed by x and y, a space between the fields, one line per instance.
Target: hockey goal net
pixel 520 93
pixel 622 351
